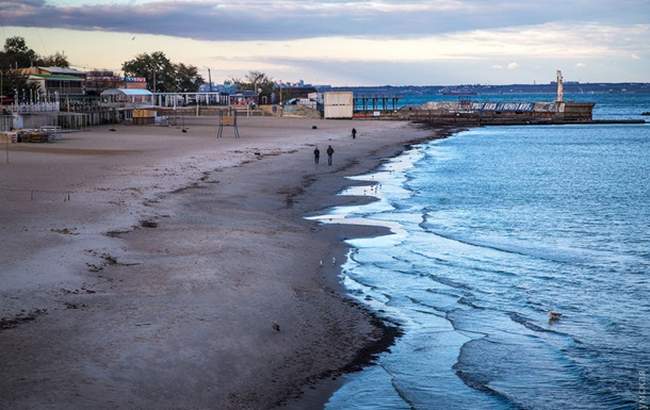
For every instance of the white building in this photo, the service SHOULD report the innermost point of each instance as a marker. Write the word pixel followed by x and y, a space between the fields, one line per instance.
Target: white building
pixel 338 105
pixel 136 97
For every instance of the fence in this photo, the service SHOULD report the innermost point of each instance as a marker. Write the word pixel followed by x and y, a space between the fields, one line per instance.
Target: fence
pixel 34 107
pixel 10 194
pixel 6 122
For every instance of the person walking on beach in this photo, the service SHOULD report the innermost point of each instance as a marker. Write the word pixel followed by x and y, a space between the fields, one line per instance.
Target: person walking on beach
pixel 330 152
pixel 316 155
pixel 354 133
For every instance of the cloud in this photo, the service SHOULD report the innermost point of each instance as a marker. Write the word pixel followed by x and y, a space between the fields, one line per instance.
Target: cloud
pixel 475 40
pixel 440 59
pixel 292 19
pixel 581 65
pixel 507 49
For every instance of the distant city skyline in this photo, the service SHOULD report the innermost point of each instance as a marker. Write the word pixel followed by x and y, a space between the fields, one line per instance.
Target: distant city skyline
pixel 353 42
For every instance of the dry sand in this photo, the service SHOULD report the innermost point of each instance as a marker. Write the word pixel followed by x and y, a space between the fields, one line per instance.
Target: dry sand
pixel 146 267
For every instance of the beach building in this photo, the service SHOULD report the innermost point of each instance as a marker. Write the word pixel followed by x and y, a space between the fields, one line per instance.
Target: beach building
pixel 283 93
pixel 130 97
pixel 60 81
pixel 98 81
pixel 244 98
pixel 134 83
pixel 191 99
pixel 226 88
pixel 338 104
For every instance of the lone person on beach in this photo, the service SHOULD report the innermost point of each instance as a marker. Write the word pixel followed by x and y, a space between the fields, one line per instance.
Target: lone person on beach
pixel 354 133
pixel 330 152
pixel 316 155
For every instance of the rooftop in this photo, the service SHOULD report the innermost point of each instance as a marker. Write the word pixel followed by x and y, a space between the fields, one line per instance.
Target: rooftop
pixel 62 70
pixel 55 77
pixel 128 92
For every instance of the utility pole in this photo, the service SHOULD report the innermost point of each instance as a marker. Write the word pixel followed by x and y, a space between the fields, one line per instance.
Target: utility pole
pixel 2 95
pixel 281 107
pixel 210 79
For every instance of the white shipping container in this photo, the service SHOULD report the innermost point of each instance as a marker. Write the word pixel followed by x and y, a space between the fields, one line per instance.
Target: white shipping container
pixel 338 104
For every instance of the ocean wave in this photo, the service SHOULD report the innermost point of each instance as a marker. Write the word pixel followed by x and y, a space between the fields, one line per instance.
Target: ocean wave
pixel 485 250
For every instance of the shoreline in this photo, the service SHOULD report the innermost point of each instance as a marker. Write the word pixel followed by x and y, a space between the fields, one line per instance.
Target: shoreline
pixel 316 393
pixel 104 306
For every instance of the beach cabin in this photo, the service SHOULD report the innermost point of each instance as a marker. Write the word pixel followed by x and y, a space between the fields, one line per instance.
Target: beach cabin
pixel 132 97
pixel 338 105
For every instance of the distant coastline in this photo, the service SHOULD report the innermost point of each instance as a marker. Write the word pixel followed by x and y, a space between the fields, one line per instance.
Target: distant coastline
pixel 571 87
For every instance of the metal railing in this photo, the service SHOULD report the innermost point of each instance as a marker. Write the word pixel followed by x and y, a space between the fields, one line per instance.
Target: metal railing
pixel 12 194
pixel 26 108
pixel 6 122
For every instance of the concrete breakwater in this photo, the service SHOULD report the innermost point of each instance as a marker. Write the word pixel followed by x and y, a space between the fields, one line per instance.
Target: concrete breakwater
pixel 503 113
pixel 472 114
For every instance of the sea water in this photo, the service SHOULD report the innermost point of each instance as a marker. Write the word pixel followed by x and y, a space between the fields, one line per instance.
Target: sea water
pixel 493 228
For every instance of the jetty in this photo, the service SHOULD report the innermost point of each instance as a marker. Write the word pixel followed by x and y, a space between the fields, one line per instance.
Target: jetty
pixel 468 113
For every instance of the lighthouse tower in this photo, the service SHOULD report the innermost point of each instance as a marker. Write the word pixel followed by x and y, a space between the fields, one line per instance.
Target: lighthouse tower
pixel 560 87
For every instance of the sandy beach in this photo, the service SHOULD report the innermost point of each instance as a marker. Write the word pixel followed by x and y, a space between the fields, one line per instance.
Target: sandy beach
pixel 148 267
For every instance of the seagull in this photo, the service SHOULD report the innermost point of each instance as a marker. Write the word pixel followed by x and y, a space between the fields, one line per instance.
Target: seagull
pixel 554 316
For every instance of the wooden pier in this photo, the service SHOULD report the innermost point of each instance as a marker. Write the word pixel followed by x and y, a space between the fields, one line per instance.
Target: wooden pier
pixel 370 105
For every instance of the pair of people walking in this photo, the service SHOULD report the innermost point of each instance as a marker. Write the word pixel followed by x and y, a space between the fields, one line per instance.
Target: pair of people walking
pixel 330 153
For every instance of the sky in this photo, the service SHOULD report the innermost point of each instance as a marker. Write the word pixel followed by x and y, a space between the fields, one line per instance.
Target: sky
pixel 351 42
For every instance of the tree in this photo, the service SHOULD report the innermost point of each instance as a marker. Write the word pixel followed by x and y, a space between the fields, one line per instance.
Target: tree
pixel 256 81
pixel 155 67
pixel 17 54
pixel 188 78
pixel 57 59
pixel 169 77
pixel 13 81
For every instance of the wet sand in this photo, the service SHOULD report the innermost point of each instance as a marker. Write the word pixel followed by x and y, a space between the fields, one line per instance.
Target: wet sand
pixel 151 268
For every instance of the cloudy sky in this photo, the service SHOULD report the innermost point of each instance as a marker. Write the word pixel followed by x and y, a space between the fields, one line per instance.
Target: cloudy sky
pixel 346 42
